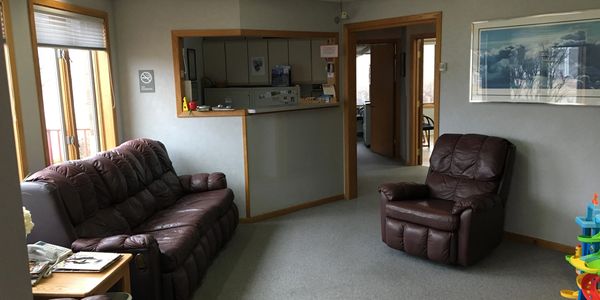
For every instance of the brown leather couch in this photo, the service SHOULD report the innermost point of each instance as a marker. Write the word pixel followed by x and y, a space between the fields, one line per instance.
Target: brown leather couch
pixel 457 216
pixel 131 200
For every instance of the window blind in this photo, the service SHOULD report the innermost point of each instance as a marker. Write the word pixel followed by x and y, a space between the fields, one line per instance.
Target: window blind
pixel 58 28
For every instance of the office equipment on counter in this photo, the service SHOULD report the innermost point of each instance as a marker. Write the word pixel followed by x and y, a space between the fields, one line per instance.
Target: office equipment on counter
pixel 252 97
pixel 281 75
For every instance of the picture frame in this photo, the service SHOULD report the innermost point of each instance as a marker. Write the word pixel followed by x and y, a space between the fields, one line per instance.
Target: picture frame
pixel 257 66
pixel 552 58
pixel 191 64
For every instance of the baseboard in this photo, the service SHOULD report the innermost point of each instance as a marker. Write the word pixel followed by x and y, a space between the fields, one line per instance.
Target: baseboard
pixel 291 209
pixel 539 242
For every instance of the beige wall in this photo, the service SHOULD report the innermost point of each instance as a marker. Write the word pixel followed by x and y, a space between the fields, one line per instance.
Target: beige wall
pixel 144 42
pixel 311 15
pixel 557 162
pixel 14 277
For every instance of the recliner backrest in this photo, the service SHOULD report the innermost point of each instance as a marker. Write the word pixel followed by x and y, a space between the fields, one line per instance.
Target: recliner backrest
pixel 465 165
pixel 114 191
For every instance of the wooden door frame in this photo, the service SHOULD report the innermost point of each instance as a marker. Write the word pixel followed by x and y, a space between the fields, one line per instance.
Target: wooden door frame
pixel 416 110
pixel 349 37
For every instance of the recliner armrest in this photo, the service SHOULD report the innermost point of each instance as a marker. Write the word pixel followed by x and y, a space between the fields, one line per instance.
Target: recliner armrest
pixel 203 182
pixel 403 191
pixel 476 203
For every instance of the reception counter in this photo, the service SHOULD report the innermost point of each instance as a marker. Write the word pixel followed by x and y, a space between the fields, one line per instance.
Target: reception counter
pixel 292 157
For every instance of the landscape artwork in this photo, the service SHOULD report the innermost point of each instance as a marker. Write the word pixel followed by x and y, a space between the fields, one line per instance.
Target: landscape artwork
pixel 544 59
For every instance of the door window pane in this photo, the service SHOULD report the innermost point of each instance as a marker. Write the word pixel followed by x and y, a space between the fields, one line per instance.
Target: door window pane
pixel 53 113
pixel 428 70
pixel 84 101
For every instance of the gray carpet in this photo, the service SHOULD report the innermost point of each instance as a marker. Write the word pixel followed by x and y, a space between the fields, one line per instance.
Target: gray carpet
pixel 335 251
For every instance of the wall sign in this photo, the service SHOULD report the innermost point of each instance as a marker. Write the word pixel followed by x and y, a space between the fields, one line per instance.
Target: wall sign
pixel 329 51
pixel 146 79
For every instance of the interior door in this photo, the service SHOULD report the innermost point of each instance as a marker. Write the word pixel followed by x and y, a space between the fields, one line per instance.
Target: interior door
pixel 382 99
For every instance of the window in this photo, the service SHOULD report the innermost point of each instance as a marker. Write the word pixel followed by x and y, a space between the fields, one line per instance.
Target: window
pixel 13 87
pixel 74 73
pixel 428 71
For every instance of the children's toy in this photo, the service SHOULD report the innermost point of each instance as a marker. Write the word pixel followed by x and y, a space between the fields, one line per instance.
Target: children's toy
pixel 586 259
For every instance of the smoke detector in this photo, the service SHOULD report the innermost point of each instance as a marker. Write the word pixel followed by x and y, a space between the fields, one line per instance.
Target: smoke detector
pixel 342 16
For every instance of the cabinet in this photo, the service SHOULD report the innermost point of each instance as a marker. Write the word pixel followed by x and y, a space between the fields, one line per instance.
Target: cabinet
pixel 299 59
pixel 233 61
pixel 213 55
pixel 258 62
pixel 236 58
pixel 319 65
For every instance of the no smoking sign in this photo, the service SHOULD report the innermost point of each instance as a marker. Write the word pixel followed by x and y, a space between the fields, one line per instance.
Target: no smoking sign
pixel 146 79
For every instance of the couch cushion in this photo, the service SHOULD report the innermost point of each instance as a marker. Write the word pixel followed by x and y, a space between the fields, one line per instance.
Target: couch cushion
pixel 434 213
pixel 199 209
pixel 175 245
pixel 220 200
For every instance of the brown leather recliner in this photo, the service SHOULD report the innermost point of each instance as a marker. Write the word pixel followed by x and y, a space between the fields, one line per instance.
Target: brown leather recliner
pixel 457 216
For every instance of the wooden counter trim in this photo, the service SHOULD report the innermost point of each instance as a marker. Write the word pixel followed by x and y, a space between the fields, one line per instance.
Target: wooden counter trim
pixel 246 169
pixel 297 108
pixel 231 113
pixel 244 112
pixel 291 209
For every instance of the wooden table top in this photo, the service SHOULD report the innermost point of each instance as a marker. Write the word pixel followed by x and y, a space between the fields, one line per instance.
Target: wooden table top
pixel 79 284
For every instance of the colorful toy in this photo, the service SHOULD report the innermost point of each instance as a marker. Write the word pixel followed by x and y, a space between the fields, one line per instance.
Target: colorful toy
pixel 586 259
pixel 185 105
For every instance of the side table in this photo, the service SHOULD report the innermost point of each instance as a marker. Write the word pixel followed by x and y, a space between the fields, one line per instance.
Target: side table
pixel 79 285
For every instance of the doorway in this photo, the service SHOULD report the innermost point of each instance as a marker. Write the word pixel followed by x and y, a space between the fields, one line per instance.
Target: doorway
pixel 351 40
pixel 423 58
pixel 376 96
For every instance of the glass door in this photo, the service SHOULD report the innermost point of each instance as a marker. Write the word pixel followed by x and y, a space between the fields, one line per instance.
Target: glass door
pixel 70 102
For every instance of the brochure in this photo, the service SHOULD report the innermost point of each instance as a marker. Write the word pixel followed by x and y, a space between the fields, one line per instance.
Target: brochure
pixel 87 262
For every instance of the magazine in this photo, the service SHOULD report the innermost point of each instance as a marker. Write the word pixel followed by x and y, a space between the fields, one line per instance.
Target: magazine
pixel 37 270
pixel 87 262
pixel 42 251
pixel 43 257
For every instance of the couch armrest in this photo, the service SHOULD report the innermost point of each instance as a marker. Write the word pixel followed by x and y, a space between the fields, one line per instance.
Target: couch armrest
pixel 403 190
pixel 116 243
pixel 203 182
pixel 476 203
pixel 146 275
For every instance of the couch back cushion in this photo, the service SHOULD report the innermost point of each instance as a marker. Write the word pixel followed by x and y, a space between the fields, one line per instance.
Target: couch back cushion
pixel 465 165
pixel 114 191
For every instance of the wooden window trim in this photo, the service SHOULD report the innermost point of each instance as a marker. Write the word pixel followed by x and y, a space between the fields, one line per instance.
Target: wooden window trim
pixel 16 96
pixel 79 10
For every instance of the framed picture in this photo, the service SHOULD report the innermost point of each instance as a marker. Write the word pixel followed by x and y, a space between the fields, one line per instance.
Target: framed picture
pixel 552 58
pixel 257 66
pixel 191 64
